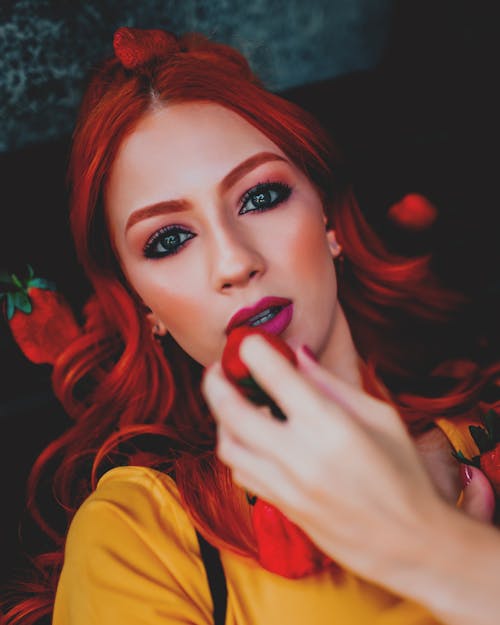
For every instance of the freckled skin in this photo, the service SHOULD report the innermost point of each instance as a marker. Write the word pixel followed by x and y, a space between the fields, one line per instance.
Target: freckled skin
pixel 183 151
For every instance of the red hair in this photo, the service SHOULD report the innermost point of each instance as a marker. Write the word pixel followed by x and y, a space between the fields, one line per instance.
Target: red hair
pixel 124 390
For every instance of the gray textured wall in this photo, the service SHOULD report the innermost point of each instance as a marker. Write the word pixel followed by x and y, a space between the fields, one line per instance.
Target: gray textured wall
pixel 47 46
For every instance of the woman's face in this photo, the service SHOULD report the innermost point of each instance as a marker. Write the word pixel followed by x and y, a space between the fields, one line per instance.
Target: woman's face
pixel 208 216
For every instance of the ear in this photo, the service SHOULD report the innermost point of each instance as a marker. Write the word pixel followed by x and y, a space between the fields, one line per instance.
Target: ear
pixel 157 326
pixel 335 247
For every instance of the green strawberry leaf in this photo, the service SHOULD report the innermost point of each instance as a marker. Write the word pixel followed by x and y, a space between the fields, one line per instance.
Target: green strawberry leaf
pixel 251 498
pixel 41 283
pixel 277 412
pixel 10 306
pixel 17 282
pixel 492 422
pixel 481 438
pixel 257 395
pixel 22 302
pixel 473 462
pixel 248 382
pixel 31 273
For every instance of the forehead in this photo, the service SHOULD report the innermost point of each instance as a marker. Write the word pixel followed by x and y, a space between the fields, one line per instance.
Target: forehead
pixel 179 147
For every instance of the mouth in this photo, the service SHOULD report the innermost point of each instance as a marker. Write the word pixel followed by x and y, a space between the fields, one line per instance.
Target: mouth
pixel 265 316
pixel 272 314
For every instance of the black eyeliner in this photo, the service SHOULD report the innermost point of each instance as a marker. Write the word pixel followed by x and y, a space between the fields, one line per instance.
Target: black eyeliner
pixel 260 187
pixel 147 250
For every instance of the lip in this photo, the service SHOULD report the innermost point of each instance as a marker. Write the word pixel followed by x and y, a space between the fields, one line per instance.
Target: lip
pixel 244 314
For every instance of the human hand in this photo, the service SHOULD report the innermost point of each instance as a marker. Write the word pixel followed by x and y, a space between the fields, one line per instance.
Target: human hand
pixel 332 430
pixel 454 481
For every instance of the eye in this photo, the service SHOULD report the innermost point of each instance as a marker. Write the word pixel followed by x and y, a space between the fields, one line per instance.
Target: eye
pixel 166 242
pixel 263 196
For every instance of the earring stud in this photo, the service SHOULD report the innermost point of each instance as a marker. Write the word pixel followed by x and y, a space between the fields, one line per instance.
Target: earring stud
pixel 335 248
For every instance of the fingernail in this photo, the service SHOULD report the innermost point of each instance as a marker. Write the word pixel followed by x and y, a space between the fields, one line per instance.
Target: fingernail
pixel 308 352
pixel 465 474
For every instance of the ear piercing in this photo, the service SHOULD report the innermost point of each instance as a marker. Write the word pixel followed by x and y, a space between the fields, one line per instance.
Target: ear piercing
pixel 336 250
pixel 335 247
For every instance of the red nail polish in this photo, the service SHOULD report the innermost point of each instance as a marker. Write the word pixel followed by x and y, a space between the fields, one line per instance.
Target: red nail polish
pixel 465 474
pixel 308 352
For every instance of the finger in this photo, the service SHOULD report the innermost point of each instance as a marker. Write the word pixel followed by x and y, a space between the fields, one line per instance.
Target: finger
pixel 478 495
pixel 253 426
pixel 357 402
pixel 287 386
pixel 259 475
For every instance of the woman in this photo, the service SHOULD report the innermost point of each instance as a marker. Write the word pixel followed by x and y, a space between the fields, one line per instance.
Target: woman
pixel 197 195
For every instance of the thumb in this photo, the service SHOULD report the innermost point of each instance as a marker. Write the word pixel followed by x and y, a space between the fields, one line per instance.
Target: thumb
pixel 478 495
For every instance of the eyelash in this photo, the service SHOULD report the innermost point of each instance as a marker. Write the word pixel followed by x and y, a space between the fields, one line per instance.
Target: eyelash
pixel 283 193
pixel 153 242
pixel 283 190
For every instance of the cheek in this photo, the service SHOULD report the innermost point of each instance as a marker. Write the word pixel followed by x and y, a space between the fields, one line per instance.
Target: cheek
pixel 180 303
pixel 160 289
pixel 314 270
pixel 308 249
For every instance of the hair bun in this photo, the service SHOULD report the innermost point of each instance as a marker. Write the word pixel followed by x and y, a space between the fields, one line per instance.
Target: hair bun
pixel 135 47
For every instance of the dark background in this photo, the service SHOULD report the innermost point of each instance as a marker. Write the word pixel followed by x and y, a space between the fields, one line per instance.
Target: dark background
pixel 406 88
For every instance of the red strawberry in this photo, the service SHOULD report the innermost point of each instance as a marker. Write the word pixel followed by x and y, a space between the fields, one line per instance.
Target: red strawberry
pixel 413 212
pixel 487 440
pixel 283 548
pixel 237 372
pixel 136 47
pixel 490 465
pixel 40 319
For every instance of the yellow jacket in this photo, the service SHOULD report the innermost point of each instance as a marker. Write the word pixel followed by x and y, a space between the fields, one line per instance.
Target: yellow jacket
pixel 132 558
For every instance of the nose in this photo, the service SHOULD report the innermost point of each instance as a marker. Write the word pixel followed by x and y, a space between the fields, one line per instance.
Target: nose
pixel 236 259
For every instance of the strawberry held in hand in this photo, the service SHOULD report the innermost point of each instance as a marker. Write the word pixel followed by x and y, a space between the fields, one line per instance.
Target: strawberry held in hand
pixel 487 440
pixel 283 548
pixel 237 372
pixel 40 319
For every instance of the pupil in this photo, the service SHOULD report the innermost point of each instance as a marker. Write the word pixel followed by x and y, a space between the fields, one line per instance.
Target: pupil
pixel 170 240
pixel 259 199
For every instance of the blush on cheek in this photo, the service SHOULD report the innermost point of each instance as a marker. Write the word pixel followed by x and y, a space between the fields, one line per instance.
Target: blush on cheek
pixel 311 249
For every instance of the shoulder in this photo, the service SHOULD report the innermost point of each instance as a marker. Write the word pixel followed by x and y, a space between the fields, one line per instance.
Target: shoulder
pixel 131 543
pixel 134 504
pixel 137 497
pixel 122 482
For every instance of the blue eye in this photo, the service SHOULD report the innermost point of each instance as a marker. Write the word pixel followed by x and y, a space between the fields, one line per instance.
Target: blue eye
pixel 166 242
pixel 264 196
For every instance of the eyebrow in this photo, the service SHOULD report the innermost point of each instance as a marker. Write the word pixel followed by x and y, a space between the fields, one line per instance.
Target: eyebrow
pixel 173 206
